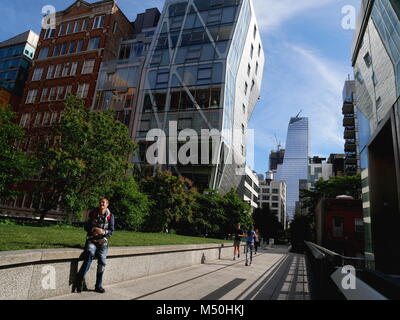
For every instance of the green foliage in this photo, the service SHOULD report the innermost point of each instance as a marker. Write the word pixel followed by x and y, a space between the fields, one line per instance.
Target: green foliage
pixel 16 166
pixel 335 186
pixel 7 222
pixel 300 231
pixel 173 199
pixel 267 223
pixel 92 154
pixel 129 206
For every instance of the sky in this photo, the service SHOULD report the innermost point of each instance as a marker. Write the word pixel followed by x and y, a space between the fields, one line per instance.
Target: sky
pixel 308 59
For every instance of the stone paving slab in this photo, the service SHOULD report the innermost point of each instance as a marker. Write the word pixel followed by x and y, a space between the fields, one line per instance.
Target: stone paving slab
pixel 275 274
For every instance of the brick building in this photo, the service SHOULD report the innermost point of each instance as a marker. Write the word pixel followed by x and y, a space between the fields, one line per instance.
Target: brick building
pixel 67 60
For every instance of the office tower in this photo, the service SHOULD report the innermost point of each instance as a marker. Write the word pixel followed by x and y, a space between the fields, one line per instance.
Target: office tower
pixel 16 55
pixel 276 158
pixel 252 188
pixel 119 79
pixel 351 162
pixel 337 160
pixel 376 63
pixel 318 169
pixel 204 72
pixel 273 195
pixel 295 164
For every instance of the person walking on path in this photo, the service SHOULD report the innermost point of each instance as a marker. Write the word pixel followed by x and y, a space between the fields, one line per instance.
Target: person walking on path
pixel 249 246
pixel 256 240
pixel 237 237
pixel 99 228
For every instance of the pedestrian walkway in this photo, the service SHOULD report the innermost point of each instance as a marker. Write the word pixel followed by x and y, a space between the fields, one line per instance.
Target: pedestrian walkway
pixel 275 274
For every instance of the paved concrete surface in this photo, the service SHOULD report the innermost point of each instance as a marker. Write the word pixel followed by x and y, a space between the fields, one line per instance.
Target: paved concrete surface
pixel 275 274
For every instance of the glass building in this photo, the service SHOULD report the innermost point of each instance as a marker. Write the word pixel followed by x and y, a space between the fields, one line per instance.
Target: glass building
pixel 295 163
pixel 204 72
pixel 376 63
pixel 16 55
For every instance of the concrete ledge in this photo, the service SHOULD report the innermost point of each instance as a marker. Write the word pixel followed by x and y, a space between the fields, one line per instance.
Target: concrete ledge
pixel 39 274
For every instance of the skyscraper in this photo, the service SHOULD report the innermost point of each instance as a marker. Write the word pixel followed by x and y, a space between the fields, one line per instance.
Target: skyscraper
pixel 204 72
pixel 295 164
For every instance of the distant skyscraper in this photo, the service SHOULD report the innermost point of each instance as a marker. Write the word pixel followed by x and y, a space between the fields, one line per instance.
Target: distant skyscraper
pixel 275 158
pixel 295 164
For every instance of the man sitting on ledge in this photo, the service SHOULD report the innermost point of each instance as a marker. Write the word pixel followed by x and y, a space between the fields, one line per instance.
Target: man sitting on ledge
pixel 99 228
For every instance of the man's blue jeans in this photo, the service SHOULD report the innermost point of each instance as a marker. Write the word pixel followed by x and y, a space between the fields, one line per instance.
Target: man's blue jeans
pixel 89 254
pixel 249 252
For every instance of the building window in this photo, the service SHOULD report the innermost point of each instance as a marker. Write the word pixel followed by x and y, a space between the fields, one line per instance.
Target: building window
pixel 49 33
pixel 62 30
pixel 77 26
pixel 368 59
pixel 67 91
pixel 72 47
pixel 83 90
pixel 256 68
pixel 259 50
pixel 275 191
pixel 44 95
pixel 94 43
pixel 80 46
pixel 37 119
pixel 50 72
pixel 56 50
pixel 246 87
pixel 37 74
pixel 52 94
pixel 243 129
pixel 70 28
pixel 53 119
pixel 162 78
pixel 66 70
pixel 98 22
pixel 44 52
pixel 374 79
pixel 204 73
pixel 85 25
pixel 57 73
pixel 251 51
pixel 244 109
pixel 24 120
pixel 255 32
pixel 64 48
pixel 74 66
pixel 115 27
pixel 60 93
pixel 88 66
pixel 46 119
pixel 31 98
pixel 125 52
pixel 378 102
pixel 253 83
pixel 248 69
pixel 242 148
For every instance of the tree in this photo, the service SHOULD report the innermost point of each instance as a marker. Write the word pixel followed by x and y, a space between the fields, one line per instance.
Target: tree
pixel 300 231
pixel 173 201
pixel 268 223
pixel 91 154
pixel 16 165
pixel 236 211
pixel 335 186
pixel 128 204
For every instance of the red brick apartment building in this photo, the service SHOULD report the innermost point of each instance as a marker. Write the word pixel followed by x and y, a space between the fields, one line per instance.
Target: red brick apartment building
pixel 67 60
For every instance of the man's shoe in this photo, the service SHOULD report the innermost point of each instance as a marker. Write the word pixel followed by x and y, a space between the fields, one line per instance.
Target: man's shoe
pixel 246 264
pixel 99 290
pixel 234 258
pixel 238 255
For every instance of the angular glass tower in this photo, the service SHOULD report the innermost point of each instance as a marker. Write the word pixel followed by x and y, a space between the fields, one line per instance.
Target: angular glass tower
pixel 203 72
pixel 295 163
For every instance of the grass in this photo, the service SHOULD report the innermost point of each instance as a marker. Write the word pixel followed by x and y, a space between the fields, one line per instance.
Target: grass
pixel 16 237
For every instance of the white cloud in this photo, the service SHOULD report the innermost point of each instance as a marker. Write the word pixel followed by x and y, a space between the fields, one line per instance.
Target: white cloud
pixel 272 13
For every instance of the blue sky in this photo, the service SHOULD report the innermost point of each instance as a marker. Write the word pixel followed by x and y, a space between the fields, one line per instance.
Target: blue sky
pixel 307 61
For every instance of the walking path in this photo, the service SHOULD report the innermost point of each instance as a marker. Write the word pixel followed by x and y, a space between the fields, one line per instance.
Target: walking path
pixel 275 274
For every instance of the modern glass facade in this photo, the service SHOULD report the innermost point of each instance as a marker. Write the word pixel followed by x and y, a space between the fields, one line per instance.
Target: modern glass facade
pixel 16 56
pixel 295 163
pixel 192 78
pixel 376 63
